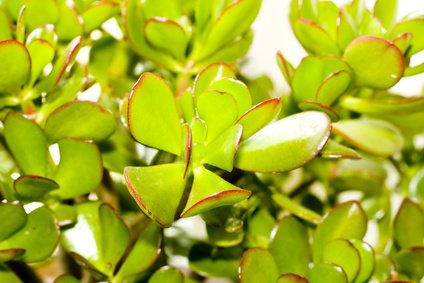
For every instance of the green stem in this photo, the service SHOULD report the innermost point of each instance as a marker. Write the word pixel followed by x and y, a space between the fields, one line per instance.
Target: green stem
pixel 297 209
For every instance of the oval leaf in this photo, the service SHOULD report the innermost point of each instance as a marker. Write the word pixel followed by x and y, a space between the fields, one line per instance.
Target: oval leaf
pixel 13 219
pixel 34 187
pixel 257 265
pixel 326 272
pixel 15 56
pixel 167 274
pixel 409 225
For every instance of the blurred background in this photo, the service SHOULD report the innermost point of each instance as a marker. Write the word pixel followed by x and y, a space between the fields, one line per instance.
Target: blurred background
pixel 273 33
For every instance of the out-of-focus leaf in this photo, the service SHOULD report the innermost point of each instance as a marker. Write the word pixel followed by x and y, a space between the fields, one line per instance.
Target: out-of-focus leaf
pixel 34 187
pixel 209 75
pixel 335 150
pixel 416 186
pixel 259 116
pixel 411 262
pixel 7 275
pixel 409 225
pixel 80 119
pixel 153 186
pixel 80 169
pixel 326 272
pixel 342 253
pixel 403 41
pixel 15 56
pixel 13 219
pixel 27 143
pixel 385 11
pixel 38 237
pixel 376 62
pixel 414 27
pixel 41 53
pixel 167 274
pixel 152 114
pixel 347 221
pixel 238 91
pixel 66 279
pixel 98 13
pixel 290 246
pixel 291 278
pixel 286 144
pixel 286 67
pixel 41 12
pixel 373 136
pixel 258 265
pixel 210 191
pixel 166 35
pixel 366 254
pixel 69 24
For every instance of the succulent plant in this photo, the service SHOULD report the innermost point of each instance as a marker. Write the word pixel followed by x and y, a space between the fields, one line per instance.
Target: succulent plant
pixel 148 156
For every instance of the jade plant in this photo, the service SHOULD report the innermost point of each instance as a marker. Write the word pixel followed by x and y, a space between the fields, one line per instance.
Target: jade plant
pixel 141 153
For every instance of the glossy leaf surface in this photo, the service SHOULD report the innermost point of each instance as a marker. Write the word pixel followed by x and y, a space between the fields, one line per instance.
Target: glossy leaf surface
pixel 34 187
pixel 167 274
pixel 409 225
pixel 342 253
pixel 257 265
pixel 326 272
pixel 15 56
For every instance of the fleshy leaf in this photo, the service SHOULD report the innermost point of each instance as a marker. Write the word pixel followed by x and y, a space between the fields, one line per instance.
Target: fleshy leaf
pixel 286 144
pixel 66 279
pixel 222 151
pixel 366 254
pixel 333 86
pixel 15 56
pixel 144 253
pixel 416 186
pixel 13 219
pixel 376 62
pixel 291 278
pixel 409 225
pixel 99 236
pixel 80 169
pixel 209 75
pixel 342 253
pixel 69 25
pixel 98 13
pixel 403 41
pixel 38 237
pixel 227 27
pixel 27 143
pixel 238 91
pixel 210 105
pixel 257 265
pixel 41 12
pixel 167 274
pixel 259 116
pixel 285 67
pixel 385 11
pixel 80 119
pixel 326 272
pixel 211 191
pixel 335 150
pixel 42 53
pixel 373 136
pixel 310 105
pixel 10 254
pixel 5 31
pixel 414 27
pixel 411 262
pixel 34 187
pixel 7 275
pixel 153 186
pixel 314 38
pixel 350 220
pixel 166 35
pixel 152 114
pixel 290 246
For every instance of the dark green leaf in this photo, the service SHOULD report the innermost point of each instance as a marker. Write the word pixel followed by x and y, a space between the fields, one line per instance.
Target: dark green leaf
pixel 409 225
pixel 34 187
pixel 13 218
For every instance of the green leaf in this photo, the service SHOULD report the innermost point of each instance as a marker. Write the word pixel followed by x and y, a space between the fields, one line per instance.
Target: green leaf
pixel 314 38
pixel 41 12
pixel 80 119
pixel 309 105
pixel 7 275
pixel 222 151
pixel 61 66
pixel 416 186
pixel 152 114
pixel 211 191
pixel 5 31
pixel 376 62
pixel 209 107
pixel 297 209
pixel 409 225
pixel 98 13
pixel 286 68
pixel 27 143
pixel 291 278
pixel 373 136
pixel 227 27
pixel 334 150
pixel 153 186
pixel 34 187
pixel 342 253
pixel 15 56
pixel 214 261
pixel 69 25
pixel 66 279
pixel 259 228
pixel 80 169
pixel 41 53
pixel 208 75
pixel 10 254
pixel 414 27
pixel 328 14
pixel 326 272
pixel 347 221
pixel 257 265
pixel 65 214
pixel 259 116
pixel 411 262
pixel 167 9
pixel 366 254
pixel 38 237
pixel 166 35
pixel 99 236
pixel 332 87
pixel 167 274
pixel 385 11
pixel 13 218
pixel 238 91
pixel 403 41
pixel 144 252
pixel 298 138
pixel 290 246
pixel 347 29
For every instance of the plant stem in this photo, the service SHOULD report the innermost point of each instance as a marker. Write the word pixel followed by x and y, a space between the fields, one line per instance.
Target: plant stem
pixel 297 209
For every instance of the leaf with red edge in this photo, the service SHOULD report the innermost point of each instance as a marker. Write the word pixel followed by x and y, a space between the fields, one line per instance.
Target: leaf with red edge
pixel 291 278
pixel 257 265
pixel 286 67
pixel 16 63
pixel 152 114
pixel 208 75
pixel 34 187
pixel 98 13
pixel 210 191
